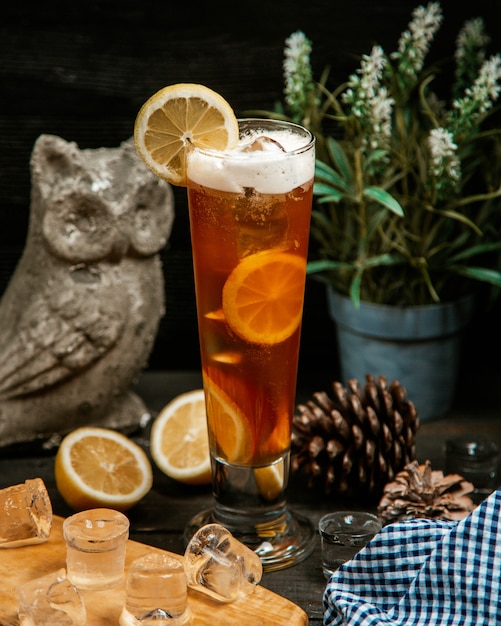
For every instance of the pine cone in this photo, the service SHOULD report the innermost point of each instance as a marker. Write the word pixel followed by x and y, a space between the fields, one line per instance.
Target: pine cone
pixel 419 491
pixel 356 442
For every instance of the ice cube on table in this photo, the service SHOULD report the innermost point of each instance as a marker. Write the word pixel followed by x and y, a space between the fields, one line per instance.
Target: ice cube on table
pixel 25 514
pixel 96 541
pixel 156 592
pixel 51 600
pixel 219 565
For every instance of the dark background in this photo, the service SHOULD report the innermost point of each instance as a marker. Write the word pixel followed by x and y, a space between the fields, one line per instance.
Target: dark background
pixel 82 70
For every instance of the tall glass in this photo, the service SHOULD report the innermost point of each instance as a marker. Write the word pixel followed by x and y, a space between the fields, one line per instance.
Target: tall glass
pixel 250 213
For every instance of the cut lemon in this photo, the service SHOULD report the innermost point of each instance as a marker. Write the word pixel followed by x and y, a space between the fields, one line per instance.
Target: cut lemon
pixel 97 467
pixel 263 297
pixel 226 425
pixel 179 440
pixel 270 481
pixel 179 115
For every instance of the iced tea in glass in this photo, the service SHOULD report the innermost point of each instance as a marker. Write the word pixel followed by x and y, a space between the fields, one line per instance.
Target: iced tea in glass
pixel 250 212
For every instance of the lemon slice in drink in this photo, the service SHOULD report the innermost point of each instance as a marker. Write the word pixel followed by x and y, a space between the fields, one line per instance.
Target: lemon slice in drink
pixel 269 480
pixel 179 443
pixel 100 467
pixel 263 297
pixel 176 116
pixel 230 424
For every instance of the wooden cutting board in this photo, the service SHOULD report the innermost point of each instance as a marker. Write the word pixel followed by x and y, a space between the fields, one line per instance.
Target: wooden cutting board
pixel 19 565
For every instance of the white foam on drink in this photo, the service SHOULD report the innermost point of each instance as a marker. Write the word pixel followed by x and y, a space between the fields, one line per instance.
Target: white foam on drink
pixel 274 169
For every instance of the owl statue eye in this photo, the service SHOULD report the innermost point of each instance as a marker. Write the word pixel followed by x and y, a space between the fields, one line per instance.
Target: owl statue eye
pixel 150 227
pixel 79 228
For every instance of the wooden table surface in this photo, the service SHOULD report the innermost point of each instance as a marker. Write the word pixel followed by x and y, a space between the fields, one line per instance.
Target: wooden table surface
pixel 159 519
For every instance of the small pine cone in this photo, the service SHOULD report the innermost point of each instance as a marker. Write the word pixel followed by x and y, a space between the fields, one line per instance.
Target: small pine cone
pixel 419 491
pixel 357 441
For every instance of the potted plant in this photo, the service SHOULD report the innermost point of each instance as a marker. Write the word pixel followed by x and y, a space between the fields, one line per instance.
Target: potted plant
pixel 407 214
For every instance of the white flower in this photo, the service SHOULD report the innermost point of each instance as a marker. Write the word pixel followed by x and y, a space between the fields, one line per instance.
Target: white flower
pixel 445 165
pixel 297 71
pixel 382 108
pixel 414 43
pixel 486 87
pixel 297 47
pixel 370 101
pixel 365 83
pixel 478 98
pixel 471 36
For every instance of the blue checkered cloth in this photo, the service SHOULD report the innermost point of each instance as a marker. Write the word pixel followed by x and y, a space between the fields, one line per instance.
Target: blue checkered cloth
pixel 423 573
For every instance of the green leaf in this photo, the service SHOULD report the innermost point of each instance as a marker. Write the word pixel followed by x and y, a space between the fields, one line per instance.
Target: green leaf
pixel 332 198
pixel 460 218
pixel 323 170
pixel 482 274
pixel 381 259
pixel 374 157
pixel 314 267
pixel 324 190
pixel 481 248
pixel 374 223
pixel 327 174
pixel 384 198
pixel 339 159
pixel 355 289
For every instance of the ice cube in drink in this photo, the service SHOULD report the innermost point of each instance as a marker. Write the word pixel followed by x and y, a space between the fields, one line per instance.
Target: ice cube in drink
pixel 219 565
pixel 51 600
pixel 25 514
pixel 156 592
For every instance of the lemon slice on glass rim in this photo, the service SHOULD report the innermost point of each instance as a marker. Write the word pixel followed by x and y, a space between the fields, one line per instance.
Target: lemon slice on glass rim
pixel 177 116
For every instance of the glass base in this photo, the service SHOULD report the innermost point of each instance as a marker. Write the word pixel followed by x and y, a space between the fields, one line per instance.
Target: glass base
pixel 250 502
pixel 283 543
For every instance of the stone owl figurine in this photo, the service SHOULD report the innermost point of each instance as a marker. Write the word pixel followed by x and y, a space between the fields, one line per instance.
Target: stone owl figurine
pixel 80 315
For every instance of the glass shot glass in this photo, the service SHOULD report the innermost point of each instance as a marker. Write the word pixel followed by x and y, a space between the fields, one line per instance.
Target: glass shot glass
pixel 95 548
pixel 343 534
pixel 25 514
pixel 477 460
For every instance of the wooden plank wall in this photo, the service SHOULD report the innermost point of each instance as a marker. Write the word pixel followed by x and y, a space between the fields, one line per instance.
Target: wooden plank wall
pixel 82 69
